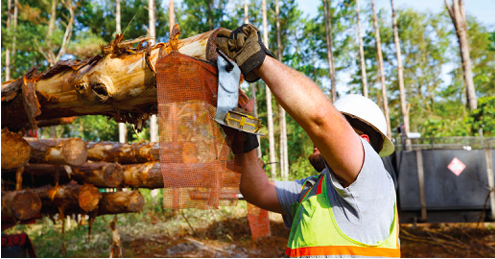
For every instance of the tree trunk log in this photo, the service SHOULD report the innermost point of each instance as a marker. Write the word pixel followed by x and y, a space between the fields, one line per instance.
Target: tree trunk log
pixel 104 175
pixel 55 121
pixel 21 205
pixel 100 174
pixel 124 153
pixel 69 198
pixel 58 151
pixel 146 175
pixel 120 82
pixel 15 150
pixel 121 202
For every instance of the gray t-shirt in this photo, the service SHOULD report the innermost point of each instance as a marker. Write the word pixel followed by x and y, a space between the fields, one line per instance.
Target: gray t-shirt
pixel 364 210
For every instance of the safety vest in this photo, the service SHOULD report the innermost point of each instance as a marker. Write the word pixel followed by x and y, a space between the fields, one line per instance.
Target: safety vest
pixel 315 231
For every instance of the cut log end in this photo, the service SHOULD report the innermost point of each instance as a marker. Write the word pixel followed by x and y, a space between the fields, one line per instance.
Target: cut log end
pixel 74 151
pixel 89 197
pixel 21 205
pixel 121 202
pixel 15 150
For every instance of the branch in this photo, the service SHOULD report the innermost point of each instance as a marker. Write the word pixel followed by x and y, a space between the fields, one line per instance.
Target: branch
pixel 40 50
pixel 449 8
pixel 462 9
pixel 68 31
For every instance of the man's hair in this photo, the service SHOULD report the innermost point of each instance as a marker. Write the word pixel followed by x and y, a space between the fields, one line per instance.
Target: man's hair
pixel 376 139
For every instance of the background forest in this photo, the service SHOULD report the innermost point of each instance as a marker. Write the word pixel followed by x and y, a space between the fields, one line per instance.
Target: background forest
pixel 45 31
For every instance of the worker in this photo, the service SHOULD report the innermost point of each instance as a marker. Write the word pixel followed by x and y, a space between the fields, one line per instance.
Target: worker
pixel 349 209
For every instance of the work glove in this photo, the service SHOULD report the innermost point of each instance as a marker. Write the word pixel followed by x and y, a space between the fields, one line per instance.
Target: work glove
pixel 241 142
pixel 244 46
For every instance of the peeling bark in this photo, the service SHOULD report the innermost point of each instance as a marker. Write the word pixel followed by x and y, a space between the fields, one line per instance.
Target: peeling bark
pixel 119 82
pixel 121 202
pixel 58 151
pixel 124 153
pixel 68 198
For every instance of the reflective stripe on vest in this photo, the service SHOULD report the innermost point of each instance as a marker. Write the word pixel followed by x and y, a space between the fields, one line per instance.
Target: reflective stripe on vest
pixel 315 232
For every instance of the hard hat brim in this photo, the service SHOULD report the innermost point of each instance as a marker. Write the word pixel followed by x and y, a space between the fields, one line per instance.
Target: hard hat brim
pixel 387 147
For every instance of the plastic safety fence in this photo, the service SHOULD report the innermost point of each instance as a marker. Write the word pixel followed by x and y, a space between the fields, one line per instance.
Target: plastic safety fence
pixel 197 164
pixel 259 222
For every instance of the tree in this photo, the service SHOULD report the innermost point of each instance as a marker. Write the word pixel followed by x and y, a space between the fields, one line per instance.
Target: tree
pixel 400 73
pixel 361 54
pixel 48 50
pixel 118 30
pixel 171 15
pixel 284 157
pixel 152 34
pixel 458 16
pixel 331 63
pixel 271 137
pixel 7 49
pixel 382 74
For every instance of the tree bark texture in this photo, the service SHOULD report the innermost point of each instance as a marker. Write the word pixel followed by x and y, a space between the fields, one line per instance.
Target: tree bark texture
pixel 458 15
pixel 119 82
pixel 54 122
pixel 120 202
pixel 70 151
pixel 364 79
pixel 104 175
pixel 15 150
pixel 68 198
pixel 331 63
pixel 125 153
pixel 400 74
pixel 271 134
pixel 21 205
pixel 382 73
pixel 284 156
pixel 7 49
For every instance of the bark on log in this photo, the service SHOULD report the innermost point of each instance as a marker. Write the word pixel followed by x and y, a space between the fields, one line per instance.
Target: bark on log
pixel 15 150
pixel 55 121
pixel 69 198
pixel 149 175
pixel 58 151
pixel 105 175
pixel 123 153
pixel 21 205
pixel 99 174
pixel 120 82
pixel 121 202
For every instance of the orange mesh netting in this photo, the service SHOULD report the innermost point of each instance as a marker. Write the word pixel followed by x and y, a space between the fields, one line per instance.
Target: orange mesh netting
pixel 198 168
pixel 259 222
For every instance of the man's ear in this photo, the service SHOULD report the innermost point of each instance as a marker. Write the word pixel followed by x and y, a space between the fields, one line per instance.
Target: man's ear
pixel 365 137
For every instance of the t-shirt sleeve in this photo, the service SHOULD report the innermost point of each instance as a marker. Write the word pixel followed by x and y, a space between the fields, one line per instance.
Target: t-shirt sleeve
pixel 288 193
pixel 365 209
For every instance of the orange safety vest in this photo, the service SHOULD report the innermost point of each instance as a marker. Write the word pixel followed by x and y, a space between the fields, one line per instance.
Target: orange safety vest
pixel 315 231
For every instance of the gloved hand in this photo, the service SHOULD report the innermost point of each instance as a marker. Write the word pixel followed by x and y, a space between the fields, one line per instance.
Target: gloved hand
pixel 239 141
pixel 244 46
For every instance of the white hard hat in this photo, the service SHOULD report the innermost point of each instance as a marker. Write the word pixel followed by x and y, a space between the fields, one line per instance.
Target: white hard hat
pixel 366 111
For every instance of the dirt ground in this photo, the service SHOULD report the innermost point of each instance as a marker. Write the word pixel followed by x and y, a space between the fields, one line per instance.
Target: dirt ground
pixel 425 240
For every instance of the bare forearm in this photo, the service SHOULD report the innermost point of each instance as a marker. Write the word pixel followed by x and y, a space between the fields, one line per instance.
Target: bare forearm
pixel 311 109
pixel 255 186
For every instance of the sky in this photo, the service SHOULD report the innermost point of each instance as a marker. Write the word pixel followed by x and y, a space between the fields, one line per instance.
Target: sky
pixel 484 10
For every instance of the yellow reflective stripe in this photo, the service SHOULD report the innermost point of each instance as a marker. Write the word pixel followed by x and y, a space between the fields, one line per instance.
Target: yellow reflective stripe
pixel 343 250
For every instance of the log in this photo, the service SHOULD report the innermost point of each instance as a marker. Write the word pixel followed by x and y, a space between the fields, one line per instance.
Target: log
pixel 102 174
pixel 70 151
pixel 69 198
pixel 21 205
pixel 123 153
pixel 55 121
pixel 15 150
pixel 105 175
pixel 146 175
pixel 119 82
pixel 121 202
